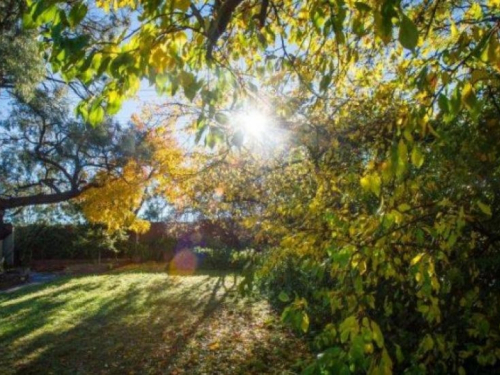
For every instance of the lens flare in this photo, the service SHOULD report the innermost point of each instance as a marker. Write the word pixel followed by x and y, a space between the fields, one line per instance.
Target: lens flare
pixel 184 263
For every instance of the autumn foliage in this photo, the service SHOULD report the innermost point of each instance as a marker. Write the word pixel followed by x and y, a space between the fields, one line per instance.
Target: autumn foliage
pixel 380 188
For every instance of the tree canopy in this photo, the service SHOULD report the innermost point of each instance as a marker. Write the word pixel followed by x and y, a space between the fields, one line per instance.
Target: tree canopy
pixel 383 197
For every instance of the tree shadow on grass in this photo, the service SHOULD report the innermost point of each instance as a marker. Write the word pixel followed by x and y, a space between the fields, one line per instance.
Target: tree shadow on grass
pixel 120 323
pixel 127 330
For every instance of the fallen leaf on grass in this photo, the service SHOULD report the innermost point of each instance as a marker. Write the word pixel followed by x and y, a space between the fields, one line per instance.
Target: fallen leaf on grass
pixel 214 346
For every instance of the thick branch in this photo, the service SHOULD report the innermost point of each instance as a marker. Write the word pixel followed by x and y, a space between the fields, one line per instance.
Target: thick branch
pixel 39 199
pixel 219 23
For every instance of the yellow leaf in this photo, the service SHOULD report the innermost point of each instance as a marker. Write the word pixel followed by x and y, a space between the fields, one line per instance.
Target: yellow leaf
pixel 371 183
pixel 468 96
pixel 214 346
pixel 416 157
pixel 416 259
pixel 182 5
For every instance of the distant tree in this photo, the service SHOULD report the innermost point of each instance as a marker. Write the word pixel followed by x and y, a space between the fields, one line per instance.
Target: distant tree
pixel 47 156
pixel 21 64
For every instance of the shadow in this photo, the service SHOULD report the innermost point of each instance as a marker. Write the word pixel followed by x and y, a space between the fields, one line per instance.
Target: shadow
pixel 98 337
pixel 211 306
pixel 143 322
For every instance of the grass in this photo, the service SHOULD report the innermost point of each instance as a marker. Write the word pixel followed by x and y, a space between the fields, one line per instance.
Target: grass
pixel 143 321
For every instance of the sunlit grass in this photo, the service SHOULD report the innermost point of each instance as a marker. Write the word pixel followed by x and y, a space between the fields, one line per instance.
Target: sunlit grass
pixel 142 320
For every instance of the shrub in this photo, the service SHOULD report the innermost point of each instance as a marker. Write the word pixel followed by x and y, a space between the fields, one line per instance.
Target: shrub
pixel 46 242
pixel 218 259
pixel 156 249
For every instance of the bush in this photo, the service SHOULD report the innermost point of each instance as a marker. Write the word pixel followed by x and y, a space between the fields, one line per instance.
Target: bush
pixel 47 242
pixel 396 260
pixel 158 249
pixel 291 278
pixel 218 259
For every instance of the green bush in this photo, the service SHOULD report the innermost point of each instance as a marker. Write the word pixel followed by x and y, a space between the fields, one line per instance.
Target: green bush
pixel 218 259
pixel 158 249
pixel 292 278
pixel 46 242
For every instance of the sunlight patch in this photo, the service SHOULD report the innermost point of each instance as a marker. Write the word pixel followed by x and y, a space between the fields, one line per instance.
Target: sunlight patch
pixel 255 123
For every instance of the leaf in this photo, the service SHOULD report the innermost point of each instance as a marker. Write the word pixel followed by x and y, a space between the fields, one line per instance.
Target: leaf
pixel 214 346
pixel 416 259
pixel 221 118
pixel 77 14
pixel 182 5
pixel 426 344
pixel 403 207
pixel 362 7
pixel 325 82
pixel 416 157
pixel 96 115
pixel 350 326
pixel 44 12
pixel 283 297
pixel 357 350
pixel 402 158
pixel 304 325
pixel 408 33
pixel 371 182
pixel 377 335
pixel 238 138
pixel 469 99
pixel 486 209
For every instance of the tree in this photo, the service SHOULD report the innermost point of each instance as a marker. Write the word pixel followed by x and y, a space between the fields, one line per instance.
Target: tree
pixel 390 257
pixel 117 202
pixel 21 64
pixel 48 157
pixel 220 52
pixel 387 201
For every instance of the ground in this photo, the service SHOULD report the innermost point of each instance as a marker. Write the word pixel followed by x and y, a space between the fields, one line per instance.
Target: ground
pixel 143 321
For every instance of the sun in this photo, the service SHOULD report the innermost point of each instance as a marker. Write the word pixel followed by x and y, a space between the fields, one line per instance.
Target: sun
pixel 254 122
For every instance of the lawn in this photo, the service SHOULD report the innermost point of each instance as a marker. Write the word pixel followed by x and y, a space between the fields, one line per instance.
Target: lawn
pixel 143 321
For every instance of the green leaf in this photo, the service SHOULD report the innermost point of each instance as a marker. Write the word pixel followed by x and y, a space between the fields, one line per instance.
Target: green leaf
pixel 362 7
pixel 283 297
pixel 443 103
pixel 402 158
pixel 77 14
pixel 96 115
pixel 28 22
pixel 403 207
pixel 325 82
pixel 44 12
pixel 426 344
pixel 377 335
pixel 357 350
pixel 349 327
pixel 408 33
pixel 486 209
pixel 199 133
